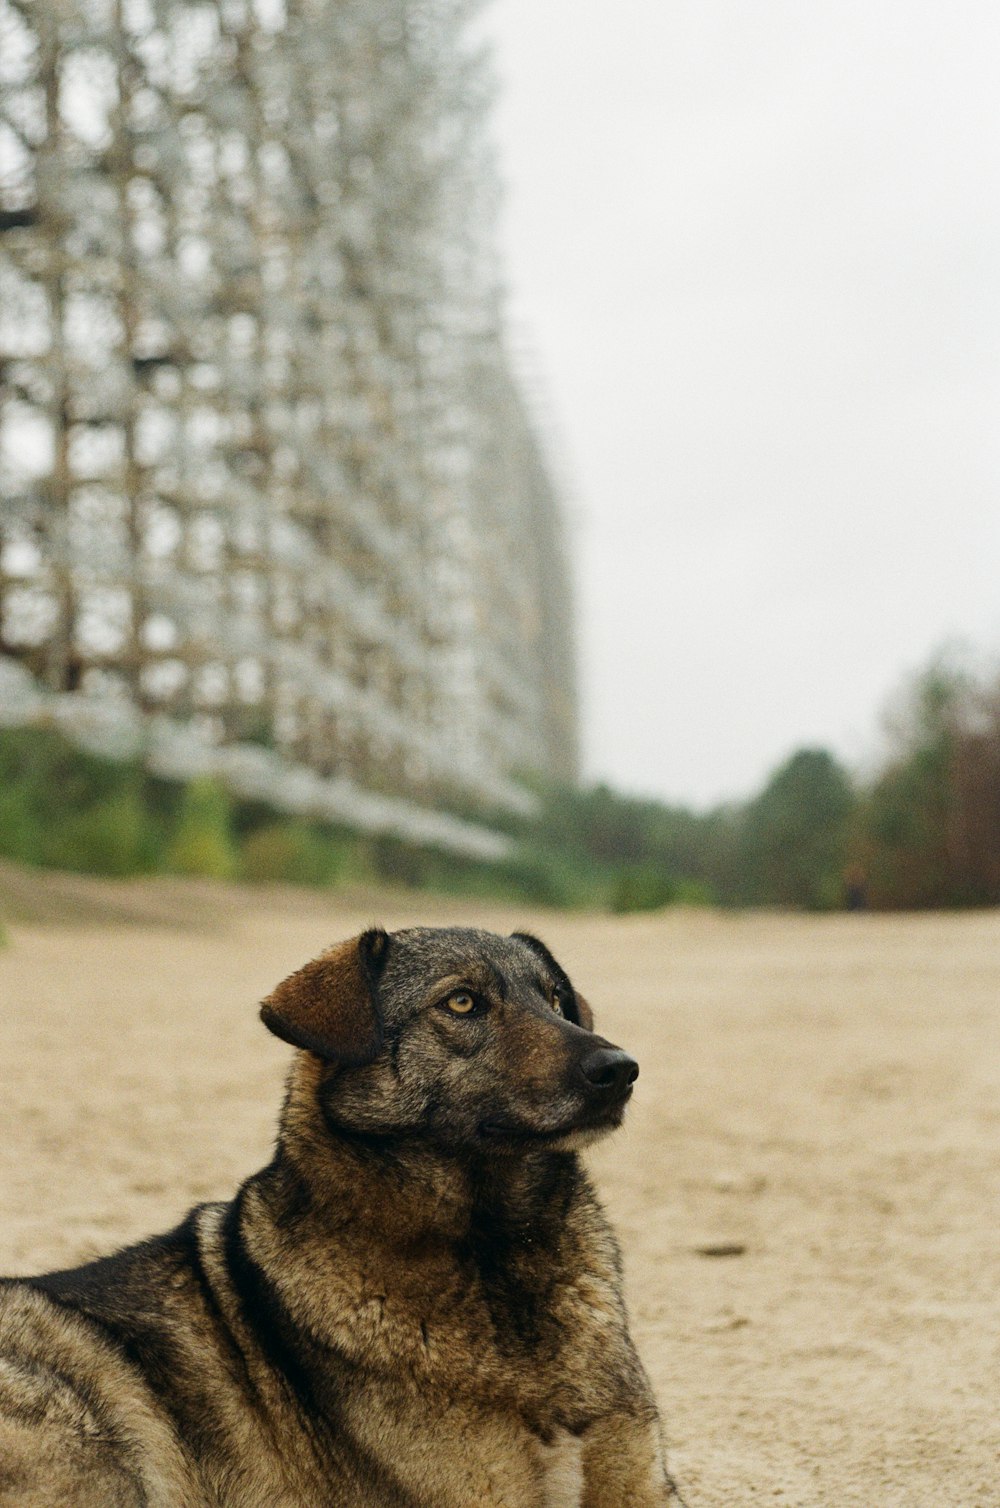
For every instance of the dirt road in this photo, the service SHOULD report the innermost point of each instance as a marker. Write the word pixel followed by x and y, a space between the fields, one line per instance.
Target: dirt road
pixel 808 1188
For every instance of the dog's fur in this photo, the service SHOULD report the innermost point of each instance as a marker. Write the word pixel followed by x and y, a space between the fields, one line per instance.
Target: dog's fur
pixel 417 1304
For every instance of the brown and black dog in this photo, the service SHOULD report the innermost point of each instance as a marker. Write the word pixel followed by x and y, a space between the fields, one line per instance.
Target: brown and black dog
pixel 417 1304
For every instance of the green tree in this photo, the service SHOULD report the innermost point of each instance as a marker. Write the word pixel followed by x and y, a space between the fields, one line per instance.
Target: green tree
pixel 917 824
pixel 793 837
pixel 974 828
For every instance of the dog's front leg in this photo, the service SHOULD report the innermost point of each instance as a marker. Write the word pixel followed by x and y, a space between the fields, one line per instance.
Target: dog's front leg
pixel 624 1466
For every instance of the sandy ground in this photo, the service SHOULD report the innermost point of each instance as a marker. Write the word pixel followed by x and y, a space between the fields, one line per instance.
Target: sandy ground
pixel 819 1096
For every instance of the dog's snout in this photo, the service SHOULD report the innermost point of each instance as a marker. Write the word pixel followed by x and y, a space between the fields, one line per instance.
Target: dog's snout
pixel 609 1069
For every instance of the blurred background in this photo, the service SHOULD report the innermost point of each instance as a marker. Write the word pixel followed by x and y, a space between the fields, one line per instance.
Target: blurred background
pixel 525 451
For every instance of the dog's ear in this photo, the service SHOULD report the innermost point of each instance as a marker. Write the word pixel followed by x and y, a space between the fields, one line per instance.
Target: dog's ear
pixel 329 1006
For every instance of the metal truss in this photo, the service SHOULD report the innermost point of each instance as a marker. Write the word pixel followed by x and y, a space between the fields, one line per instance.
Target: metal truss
pixel 269 493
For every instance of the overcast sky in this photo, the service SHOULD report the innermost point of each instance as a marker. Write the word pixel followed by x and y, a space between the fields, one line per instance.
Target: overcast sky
pixel 756 247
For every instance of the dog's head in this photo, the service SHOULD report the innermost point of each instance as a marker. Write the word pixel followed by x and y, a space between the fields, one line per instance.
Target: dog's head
pixel 454 1035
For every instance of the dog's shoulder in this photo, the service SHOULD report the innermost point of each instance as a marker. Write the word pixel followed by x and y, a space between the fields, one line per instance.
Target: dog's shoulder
pixel 140 1369
pixel 77 1415
pixel 146 1302
pixel 127 1287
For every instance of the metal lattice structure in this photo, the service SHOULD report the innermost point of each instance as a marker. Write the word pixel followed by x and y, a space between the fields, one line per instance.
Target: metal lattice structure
pixel 267 484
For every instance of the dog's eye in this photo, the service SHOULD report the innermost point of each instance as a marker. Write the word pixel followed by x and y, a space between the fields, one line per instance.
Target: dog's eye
pixel 461 1003
pixel 557 1004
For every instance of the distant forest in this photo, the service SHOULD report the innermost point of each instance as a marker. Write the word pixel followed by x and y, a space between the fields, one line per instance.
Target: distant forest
pixel 922 832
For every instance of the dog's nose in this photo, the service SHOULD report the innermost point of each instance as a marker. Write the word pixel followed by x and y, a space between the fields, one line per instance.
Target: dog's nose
pixel 609 1069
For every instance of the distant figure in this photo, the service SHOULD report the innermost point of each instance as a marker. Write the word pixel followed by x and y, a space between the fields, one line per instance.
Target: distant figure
pixel 855 888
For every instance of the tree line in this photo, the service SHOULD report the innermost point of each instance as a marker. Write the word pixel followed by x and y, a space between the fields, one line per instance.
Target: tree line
pixel 922 831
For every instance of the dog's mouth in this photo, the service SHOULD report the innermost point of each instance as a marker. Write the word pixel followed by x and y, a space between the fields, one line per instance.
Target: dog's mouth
pixel 589 1126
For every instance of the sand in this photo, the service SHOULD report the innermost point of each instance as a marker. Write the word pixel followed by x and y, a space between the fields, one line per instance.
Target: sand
pixel 819 1106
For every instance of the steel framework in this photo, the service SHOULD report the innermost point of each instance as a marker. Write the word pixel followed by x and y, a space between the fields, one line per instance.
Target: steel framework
pixel 272 503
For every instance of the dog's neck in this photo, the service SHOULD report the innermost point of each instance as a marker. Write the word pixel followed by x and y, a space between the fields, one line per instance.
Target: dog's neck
pixel 341 1221
pixel 403 1261
pixel 405 1192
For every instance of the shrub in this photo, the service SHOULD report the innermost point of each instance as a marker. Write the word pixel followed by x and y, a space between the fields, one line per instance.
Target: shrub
pixel 642 887
pixel 202 842
pixel 693 893
pixel 290 853
pixel 20 836
pixel 66 809
pixel 113 837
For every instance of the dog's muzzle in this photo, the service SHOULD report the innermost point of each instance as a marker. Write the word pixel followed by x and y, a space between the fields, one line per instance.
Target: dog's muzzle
pixel 602 1079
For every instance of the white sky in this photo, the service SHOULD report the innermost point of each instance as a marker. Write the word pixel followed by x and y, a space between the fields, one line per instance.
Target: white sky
pixel 755 245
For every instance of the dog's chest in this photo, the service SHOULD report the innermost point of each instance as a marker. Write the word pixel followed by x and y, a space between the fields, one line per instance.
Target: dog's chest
pixel 466 1406
pixel 540 1353
pixel 453 1452
pixel 468 1412
pixel 561 1465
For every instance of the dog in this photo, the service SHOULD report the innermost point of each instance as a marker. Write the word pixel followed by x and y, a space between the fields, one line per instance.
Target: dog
pixel 416 1304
